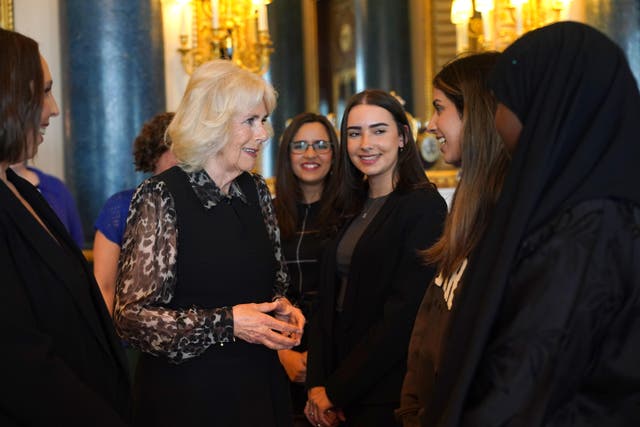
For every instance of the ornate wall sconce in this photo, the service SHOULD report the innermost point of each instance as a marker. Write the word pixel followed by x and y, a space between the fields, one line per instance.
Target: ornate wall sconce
pixel 237 30
pixel 494 24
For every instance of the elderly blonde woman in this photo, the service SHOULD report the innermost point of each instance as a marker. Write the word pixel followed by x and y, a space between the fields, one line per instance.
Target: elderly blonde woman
pixel 201 279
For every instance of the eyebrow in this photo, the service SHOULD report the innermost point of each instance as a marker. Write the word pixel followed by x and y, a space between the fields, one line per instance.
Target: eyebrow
pixel 371 126
pixel 256 116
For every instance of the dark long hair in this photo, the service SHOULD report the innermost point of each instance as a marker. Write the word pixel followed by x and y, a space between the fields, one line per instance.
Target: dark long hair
pixel 350 190
pixel 288 191
pixel 484 159
pixel 21 94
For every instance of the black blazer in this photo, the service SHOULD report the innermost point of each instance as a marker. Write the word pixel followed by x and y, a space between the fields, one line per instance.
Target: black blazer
pixel 61 363
pixel 385 286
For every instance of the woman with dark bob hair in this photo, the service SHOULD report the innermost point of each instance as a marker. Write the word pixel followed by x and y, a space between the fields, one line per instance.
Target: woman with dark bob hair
pixel 62 363
pixel 372 276
pixel 306 166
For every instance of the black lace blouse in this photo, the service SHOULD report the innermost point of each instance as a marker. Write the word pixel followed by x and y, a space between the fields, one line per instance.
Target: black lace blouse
pixel 147 273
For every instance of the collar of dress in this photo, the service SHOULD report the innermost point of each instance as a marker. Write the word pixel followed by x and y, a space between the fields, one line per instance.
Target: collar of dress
pixel 209 193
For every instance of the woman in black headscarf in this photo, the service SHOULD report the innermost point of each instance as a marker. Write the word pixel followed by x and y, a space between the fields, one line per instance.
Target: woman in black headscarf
pixel 547 328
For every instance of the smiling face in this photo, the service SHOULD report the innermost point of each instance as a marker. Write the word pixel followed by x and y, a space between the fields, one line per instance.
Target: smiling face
pixel 248 131
pixel 311 167
pixel 373 141
pixel 446 124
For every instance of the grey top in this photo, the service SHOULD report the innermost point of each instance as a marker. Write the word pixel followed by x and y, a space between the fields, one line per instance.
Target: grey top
pixel 350 240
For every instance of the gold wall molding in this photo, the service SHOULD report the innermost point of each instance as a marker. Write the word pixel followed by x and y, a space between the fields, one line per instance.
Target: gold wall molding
pixel 6 14
pixel 443 178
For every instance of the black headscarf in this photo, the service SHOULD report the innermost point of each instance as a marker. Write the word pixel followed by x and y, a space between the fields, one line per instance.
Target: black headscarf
pixel 573 91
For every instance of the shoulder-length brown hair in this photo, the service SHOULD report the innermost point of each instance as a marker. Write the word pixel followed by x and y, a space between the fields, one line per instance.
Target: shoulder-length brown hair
pixel 351 187
pixel 484 159
pixel 21 95
pixel 288 191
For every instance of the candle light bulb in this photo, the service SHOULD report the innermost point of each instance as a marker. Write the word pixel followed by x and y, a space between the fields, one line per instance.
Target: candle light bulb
pixel 263 19
pixel 215 14
pixel 461 11
pixel 483 6
pixel 183 22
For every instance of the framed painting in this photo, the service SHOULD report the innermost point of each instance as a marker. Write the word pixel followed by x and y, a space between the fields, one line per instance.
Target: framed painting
pixel 6 14
pixel 434 45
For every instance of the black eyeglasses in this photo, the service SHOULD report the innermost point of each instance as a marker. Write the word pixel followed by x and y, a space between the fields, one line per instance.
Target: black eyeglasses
pixel 320 146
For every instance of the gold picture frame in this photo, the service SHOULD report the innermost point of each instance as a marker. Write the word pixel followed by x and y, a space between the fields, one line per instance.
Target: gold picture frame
pixel 6 14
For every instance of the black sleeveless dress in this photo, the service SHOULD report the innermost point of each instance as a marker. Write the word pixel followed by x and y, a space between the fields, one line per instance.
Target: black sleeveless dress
pixel 225 257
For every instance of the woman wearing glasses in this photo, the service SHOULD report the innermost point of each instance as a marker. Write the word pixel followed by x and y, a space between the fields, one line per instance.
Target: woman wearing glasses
pixel 372 279
pixel 306 166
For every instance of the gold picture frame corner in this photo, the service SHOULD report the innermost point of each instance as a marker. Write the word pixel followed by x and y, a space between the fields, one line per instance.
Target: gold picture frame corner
pixel 443 178
pixel 6 14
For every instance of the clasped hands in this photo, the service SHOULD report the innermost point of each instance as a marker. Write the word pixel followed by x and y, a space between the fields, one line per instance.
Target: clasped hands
pixel 320 411
pixel 278 324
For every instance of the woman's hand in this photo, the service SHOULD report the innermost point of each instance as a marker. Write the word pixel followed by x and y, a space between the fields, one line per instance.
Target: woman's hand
pixel 295 363
pixel 289 313
pixel 320 411
pixel 252 323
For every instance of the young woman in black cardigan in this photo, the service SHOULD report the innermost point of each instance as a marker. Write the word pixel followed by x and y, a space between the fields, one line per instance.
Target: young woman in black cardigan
pixel 372 276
